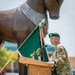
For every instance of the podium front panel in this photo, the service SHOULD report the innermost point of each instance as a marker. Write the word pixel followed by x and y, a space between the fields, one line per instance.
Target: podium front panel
pixel 38 70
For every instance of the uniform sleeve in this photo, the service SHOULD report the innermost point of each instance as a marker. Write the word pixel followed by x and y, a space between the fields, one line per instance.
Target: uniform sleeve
pixel 61 55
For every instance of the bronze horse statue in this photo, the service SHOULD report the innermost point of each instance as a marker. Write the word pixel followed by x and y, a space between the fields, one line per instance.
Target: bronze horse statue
pixel 16 24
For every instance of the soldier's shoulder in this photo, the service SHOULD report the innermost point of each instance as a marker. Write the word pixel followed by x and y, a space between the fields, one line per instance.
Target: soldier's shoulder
pixel 60 46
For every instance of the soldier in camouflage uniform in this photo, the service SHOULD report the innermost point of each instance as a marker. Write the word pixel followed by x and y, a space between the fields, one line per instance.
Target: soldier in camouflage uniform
pixel 60 56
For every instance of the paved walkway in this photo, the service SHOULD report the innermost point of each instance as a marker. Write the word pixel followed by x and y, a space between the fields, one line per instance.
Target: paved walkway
pixel 12 74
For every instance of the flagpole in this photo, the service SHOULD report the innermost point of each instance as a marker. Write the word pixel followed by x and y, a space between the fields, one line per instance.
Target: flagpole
pixel 41 40
pixel 41 25
pixel 16 52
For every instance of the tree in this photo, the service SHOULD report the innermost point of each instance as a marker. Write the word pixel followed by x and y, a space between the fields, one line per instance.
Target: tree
pixel 5 56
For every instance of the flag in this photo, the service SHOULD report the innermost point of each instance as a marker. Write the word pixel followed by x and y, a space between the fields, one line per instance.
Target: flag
pixel 31 47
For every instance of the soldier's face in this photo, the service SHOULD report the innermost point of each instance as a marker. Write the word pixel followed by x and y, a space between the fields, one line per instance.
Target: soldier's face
pixel 54 40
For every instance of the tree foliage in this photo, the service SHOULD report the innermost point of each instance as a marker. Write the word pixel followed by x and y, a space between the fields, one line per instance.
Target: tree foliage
pixel 5 55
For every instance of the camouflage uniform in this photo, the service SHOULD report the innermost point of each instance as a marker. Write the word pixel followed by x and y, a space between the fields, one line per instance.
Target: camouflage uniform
pixel 62 61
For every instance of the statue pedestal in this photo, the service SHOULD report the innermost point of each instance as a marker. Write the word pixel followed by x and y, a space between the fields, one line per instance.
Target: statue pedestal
pixel 36 67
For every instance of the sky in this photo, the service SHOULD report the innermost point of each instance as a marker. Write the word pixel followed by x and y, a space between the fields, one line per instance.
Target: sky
pixel 65 25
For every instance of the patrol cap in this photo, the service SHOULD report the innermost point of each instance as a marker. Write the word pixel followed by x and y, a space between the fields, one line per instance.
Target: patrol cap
pixel 54 34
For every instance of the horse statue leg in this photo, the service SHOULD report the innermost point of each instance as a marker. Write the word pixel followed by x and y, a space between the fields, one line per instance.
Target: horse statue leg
pixel 1 44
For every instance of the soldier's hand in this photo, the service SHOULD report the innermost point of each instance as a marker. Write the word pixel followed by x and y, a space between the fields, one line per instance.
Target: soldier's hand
pixel 50 62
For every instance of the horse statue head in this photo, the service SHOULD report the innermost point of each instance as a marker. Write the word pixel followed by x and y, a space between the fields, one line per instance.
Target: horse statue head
pixel 53 6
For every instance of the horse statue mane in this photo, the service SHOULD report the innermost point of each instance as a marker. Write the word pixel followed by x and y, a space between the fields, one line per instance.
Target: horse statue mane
pixel 16 24
pixel 34 16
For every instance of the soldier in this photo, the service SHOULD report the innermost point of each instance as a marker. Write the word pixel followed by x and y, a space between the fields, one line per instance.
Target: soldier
pixel 60 56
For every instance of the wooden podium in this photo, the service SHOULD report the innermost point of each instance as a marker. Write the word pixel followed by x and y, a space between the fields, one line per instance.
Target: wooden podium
pixel 36 67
